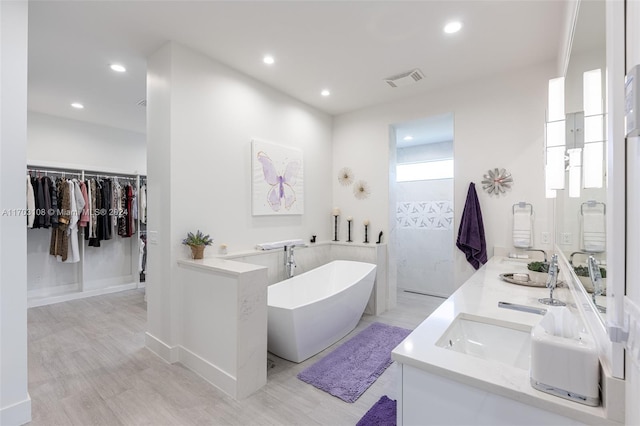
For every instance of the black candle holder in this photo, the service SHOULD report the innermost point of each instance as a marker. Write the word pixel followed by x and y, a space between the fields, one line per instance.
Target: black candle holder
pixel 349 231
pixel 366 236
pixel 335 233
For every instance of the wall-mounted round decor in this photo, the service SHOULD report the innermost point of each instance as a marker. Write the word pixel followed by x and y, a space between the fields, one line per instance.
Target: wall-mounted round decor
pixel 345 176
pixel 496 181
pixel 361 190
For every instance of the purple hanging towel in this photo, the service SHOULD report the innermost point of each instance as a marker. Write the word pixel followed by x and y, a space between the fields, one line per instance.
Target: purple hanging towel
pixel 471 232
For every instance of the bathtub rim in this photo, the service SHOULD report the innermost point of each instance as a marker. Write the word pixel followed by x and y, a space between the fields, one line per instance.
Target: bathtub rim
pixel 373 268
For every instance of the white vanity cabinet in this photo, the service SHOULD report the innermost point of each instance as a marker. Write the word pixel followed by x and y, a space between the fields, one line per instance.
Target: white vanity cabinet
pixel 442 384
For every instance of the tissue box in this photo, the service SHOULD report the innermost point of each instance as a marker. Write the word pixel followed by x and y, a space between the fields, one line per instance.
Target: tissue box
pixel 564 362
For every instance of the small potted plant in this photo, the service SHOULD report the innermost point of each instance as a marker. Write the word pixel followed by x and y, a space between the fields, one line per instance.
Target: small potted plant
pixel 197 242
pixel 583 275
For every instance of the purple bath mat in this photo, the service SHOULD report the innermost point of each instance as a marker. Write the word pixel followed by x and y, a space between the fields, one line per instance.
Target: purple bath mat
pixel 383 413
pixel 350 369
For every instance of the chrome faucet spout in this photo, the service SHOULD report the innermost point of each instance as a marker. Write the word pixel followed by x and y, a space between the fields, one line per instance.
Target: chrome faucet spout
pixel 573 254
pixel 544 253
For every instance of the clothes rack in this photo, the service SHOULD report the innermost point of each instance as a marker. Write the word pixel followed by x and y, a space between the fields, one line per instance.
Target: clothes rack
pixel 112 267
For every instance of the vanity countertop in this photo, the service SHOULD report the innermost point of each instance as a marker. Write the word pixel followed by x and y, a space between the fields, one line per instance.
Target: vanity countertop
pixel 480 296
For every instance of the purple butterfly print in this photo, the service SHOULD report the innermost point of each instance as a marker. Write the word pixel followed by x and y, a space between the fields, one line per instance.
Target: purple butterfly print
pixel 281 185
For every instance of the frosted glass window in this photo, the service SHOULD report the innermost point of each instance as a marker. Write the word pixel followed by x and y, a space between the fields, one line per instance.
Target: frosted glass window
pixel 555 168
pixel 592 92
pixel 592 160
pixel 594 128
pixel 555 133
pixel 430 170
pixel 575 172
pixel 556 99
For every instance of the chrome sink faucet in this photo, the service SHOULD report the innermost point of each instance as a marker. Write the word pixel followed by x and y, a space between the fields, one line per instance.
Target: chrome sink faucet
pixel 544 253
pixel 552 283
pixel 573 254
pixel 596 280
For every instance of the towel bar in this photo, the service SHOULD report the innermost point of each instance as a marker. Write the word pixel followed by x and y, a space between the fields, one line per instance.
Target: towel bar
pixel 592 204
pixel 522 205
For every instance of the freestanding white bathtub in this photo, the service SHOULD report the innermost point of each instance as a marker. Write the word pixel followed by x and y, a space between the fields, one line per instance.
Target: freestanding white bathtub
pixel 310 312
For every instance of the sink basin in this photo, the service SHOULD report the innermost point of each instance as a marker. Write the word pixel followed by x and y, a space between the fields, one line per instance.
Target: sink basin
pixel 489 339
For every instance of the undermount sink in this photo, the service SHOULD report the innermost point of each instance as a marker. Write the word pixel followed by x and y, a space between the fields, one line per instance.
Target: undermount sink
pixel 489 339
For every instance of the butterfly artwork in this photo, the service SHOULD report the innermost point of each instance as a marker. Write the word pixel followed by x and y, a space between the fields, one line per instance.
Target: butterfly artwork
pixel 277 179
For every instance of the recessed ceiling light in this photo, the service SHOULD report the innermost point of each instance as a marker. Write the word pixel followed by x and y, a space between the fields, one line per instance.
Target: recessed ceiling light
pixel 453 27
pixel 77 105
pixel 325 92
pixel 118 68
pixel 269 60
pixel 408 138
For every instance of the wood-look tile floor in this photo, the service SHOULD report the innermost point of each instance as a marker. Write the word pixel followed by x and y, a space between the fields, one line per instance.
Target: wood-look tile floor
pixel 88 366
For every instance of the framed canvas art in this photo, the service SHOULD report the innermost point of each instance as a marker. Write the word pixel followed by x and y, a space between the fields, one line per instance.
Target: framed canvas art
pixel 277 182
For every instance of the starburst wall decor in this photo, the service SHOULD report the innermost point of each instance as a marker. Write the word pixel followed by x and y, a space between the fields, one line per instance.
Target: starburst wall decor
pixel 497 181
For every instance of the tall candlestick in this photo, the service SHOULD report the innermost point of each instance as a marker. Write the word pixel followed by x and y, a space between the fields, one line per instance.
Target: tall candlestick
pixel 366 237
pixel 335 233
pixel 349 219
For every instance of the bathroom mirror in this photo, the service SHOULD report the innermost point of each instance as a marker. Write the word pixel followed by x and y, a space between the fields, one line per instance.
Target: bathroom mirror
pixel 580 210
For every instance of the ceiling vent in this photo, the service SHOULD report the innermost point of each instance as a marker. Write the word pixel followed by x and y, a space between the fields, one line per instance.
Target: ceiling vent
pixel 142 103
pixel 405 78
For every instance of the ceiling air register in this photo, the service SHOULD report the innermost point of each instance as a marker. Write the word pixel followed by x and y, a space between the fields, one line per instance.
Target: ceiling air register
pixel 405 78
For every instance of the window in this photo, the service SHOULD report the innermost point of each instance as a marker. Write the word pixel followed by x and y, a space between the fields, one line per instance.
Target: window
pixel 430 170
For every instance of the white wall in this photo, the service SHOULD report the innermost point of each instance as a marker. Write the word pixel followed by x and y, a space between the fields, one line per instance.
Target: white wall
pixel 202 116
pixel 71 143
pixel 15 404
pixel 499 122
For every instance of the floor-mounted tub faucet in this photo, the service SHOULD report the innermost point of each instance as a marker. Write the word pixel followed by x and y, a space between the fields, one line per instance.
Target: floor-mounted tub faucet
pixel 289 261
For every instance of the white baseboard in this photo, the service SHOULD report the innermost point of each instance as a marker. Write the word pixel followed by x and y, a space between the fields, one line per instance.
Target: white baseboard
pixel 33 299
pixel 169 353
pixel 212 374
pixel 16 414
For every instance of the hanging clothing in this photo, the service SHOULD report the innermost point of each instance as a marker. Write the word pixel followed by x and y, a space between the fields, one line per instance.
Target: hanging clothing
pixel 98 216
pixel 141 256
pixel 94 213
pixel 116 197
pixel 73 255
pixel 143 204
pixel 132 207
pixel 31 203
pixel 53 200
pixel 46 182
pixel 471 238
pixel 40 206
pixel 59 238
pixel 84 215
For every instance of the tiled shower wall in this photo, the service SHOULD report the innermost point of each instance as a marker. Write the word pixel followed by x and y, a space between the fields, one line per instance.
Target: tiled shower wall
pixel 424 219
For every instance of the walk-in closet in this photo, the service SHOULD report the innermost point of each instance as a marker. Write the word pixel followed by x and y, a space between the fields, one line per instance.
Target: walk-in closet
pixel 86 233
